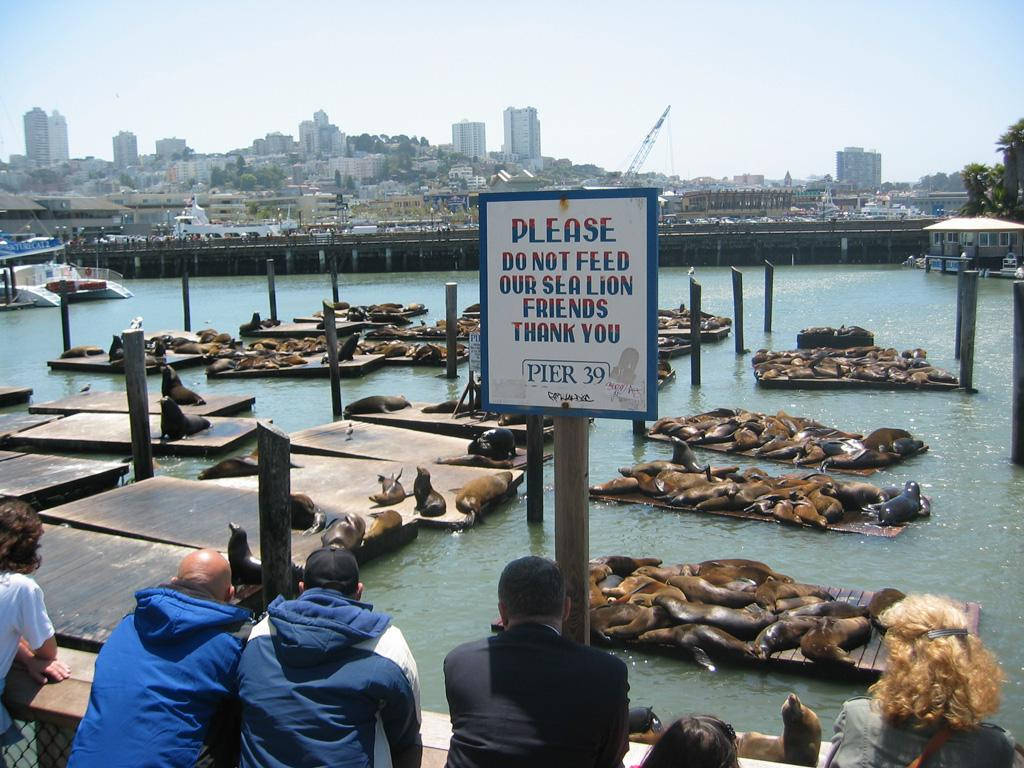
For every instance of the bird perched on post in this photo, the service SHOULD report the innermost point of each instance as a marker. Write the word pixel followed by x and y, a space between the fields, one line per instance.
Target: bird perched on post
pixel 135 324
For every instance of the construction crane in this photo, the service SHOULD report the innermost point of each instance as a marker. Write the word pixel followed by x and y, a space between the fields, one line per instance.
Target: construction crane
pixel 645 148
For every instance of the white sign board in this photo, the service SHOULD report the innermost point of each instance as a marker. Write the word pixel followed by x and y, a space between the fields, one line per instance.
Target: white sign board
pixel 568 286
pixel 474 351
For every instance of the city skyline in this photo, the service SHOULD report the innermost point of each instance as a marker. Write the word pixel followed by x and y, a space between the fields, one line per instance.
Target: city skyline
pixel 754 89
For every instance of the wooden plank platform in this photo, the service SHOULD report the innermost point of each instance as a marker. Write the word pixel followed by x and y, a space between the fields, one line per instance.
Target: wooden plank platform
pixel 846 341
pixel 346 485
pixel 117 402
pixel 367 440
pixel 359 365
pixel 705 336
pixel 849 523
pixel 46 480
pixel 411 361
pixel 467 425
pixel 102 364
pixel 677 350
pixel 845 384
pixel 407 314
pixel 14 395
pixel 111 433
pixel 384 333
pixel 301 330
pixel 193 513
pixel 90 580
pixel 12 423
pixel 174 333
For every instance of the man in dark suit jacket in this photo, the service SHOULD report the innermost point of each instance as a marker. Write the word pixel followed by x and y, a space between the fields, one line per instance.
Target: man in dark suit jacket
pixel 529 697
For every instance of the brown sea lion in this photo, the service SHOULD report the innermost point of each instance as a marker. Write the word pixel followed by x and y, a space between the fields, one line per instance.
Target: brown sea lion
pixel 383 522
pixel 252 325
pixel 703 642
pixel 697 589
pixel 799 744
pixel 665 572
pixel 595 575
pixel 175 425
pixel 346 531
pixel 377 404
pixel 235 466
pixel 882 437
pixel 770 591
pixel 171 387
pixel 448 406
pixel 429 502
pixel 603 617
pixel 479 492
pixel 618 485
pixel 306 516
pixel 220 365
pixel 83 351
pixel 743 623
pixel 391 491
pixel 622 565
pixel 836 609
pixel 655 617
pixel 630 585
pixel 791 603
pixel 347 347
pixel 880 602
pixel 855 495
pixel 828 643
pixel 783 634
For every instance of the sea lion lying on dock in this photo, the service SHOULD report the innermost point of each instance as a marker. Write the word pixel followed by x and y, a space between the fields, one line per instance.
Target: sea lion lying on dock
pixel 171 387
pixel 83 351
pixel 175 425
pixel 383 522
pixel 346 532
pixel 703 642
pixel 391 492
pixel 477 493
pixel 799 744
pixel 498 443
pixel 377 404
pixel 829 642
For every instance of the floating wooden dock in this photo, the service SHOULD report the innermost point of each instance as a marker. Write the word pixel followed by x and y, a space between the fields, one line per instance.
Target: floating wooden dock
pixel 14 395
pixel 439 363
pixel 834 341
pixel 849 523
pixel 676 350
pixel 834 385
pixel 718 334
pixel 367 440
pixel 359 365
pixel 406 313
pixel 467 425
pixel 345 485
pixel 46 480
pixel 12 423
pixel 117 402
pixel 111 433
pixel 301 330
pixel 101 364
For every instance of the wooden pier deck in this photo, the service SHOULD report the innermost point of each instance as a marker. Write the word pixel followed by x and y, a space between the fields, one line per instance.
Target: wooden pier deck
pixel 834 385
pixel 467 425
pixel 368 440
pixel 676 350
pixel 345 485
pixel 359 365
pixel 117 402
pixel 195 514
pixel 12 423
pixel 832 341
pixel 14 395
pixel 111 433
pixel 47 480
pixel 705 336
pixel 849 524
pixel 411 361
pixel 301 330
pixel 102 364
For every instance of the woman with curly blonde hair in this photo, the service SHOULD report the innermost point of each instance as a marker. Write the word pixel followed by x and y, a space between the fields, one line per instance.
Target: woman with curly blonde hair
pixel 926 710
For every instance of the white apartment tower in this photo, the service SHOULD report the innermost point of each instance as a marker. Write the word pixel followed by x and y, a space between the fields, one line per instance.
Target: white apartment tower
pixel 469 139
pixel 58 130
pixel 126 149
pixel 37 136
pixel 522 137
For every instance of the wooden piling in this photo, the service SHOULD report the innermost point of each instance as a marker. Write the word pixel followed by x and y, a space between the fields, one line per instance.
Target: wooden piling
pixel 968 323
pixel 334 276
pixel 694 333
pixel 737 309
pixel 65 322
pixel 958 327
pixel 186 308
pixel 275 512
pixel 8 296
pixel 769 289
pixel 138 402
pixel 572 522
pixel 271 289
pixel 639 427
pixel 1017 417
pixel 331 332
pixel 451 296
pixel 535 468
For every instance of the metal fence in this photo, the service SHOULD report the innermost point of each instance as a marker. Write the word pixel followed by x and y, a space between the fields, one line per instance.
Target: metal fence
pixel 43 746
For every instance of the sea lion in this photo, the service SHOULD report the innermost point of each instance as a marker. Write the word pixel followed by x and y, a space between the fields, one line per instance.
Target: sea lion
pixel 644 726
pixel 623 565
pixel 347 347
pixel 377 404
pixel 770 591
pixel 618 485
pixel 83 351
pixel 383 522
pixel 245 568
pixel 235 466
pixel 854 495
pixel 703 643
pixel 880 438
pixel 654 617
pixel 175 425
pixel 479 492
pixel 603 617
pixel 391 492
pixel 253 325
pixel 596 574
pixel 880 602
pixel 783 634
pixel 448 406
pixel 683 455
pixel 743 623
pixel 791 603
pixel 172 387
pixel 700 590
pixel 632 584
pixel 116 351
pixel 665 572
pixel 498 443
pixel 828 643
pixel 306 516
pixel 836 609
pixel 429 502
pixel 799 743
pixel 345 532
pixel 900 509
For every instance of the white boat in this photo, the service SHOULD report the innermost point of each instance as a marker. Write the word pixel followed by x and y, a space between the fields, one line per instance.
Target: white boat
pixel 194 221
pixel 44 284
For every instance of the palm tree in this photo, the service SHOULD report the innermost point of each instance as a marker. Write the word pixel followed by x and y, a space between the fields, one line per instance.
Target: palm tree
pixel 1012 145
pixel 976 178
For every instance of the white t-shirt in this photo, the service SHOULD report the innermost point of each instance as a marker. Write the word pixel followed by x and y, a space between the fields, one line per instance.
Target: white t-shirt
pixel 22 614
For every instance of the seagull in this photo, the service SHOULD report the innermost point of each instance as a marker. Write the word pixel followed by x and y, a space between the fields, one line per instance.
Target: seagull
pixel 86 388
pixel 135 324
pixel 692 270
pixel 348 432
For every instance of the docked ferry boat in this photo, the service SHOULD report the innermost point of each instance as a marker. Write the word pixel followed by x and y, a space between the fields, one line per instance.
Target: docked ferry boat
pixel 194 221
pixel 44 284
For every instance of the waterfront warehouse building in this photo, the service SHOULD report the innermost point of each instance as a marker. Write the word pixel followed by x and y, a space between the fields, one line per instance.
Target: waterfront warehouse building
pixel 469 139
pixel 861 169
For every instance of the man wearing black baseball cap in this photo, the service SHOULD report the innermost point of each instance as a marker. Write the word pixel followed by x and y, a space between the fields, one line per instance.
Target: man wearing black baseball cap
pixel 325 679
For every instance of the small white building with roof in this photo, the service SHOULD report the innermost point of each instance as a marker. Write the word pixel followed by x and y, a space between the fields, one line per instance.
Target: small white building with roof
pixel 985 241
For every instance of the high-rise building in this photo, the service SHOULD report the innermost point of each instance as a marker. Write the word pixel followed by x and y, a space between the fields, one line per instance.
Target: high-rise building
pixel 320 138
pixel 167 147
pixel 37 136
pixel 861 169
pixel 58 129
pixel 469 139
pixel 126 149
pixel 522 137
pixel 308 139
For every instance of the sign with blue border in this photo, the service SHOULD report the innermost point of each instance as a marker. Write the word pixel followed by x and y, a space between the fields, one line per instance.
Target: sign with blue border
pixel 568 302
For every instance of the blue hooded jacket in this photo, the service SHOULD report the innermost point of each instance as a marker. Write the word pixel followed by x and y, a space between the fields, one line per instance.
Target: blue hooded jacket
pixel 325 680
pixel 158 680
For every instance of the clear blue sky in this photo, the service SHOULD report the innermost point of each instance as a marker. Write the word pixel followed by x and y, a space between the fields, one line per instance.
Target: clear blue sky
pixel 755 87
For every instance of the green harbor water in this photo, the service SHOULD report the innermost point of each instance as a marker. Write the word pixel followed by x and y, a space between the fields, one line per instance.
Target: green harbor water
pixel 442 587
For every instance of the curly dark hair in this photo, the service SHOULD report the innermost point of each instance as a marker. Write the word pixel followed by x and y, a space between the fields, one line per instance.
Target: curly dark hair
pixel 20 531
